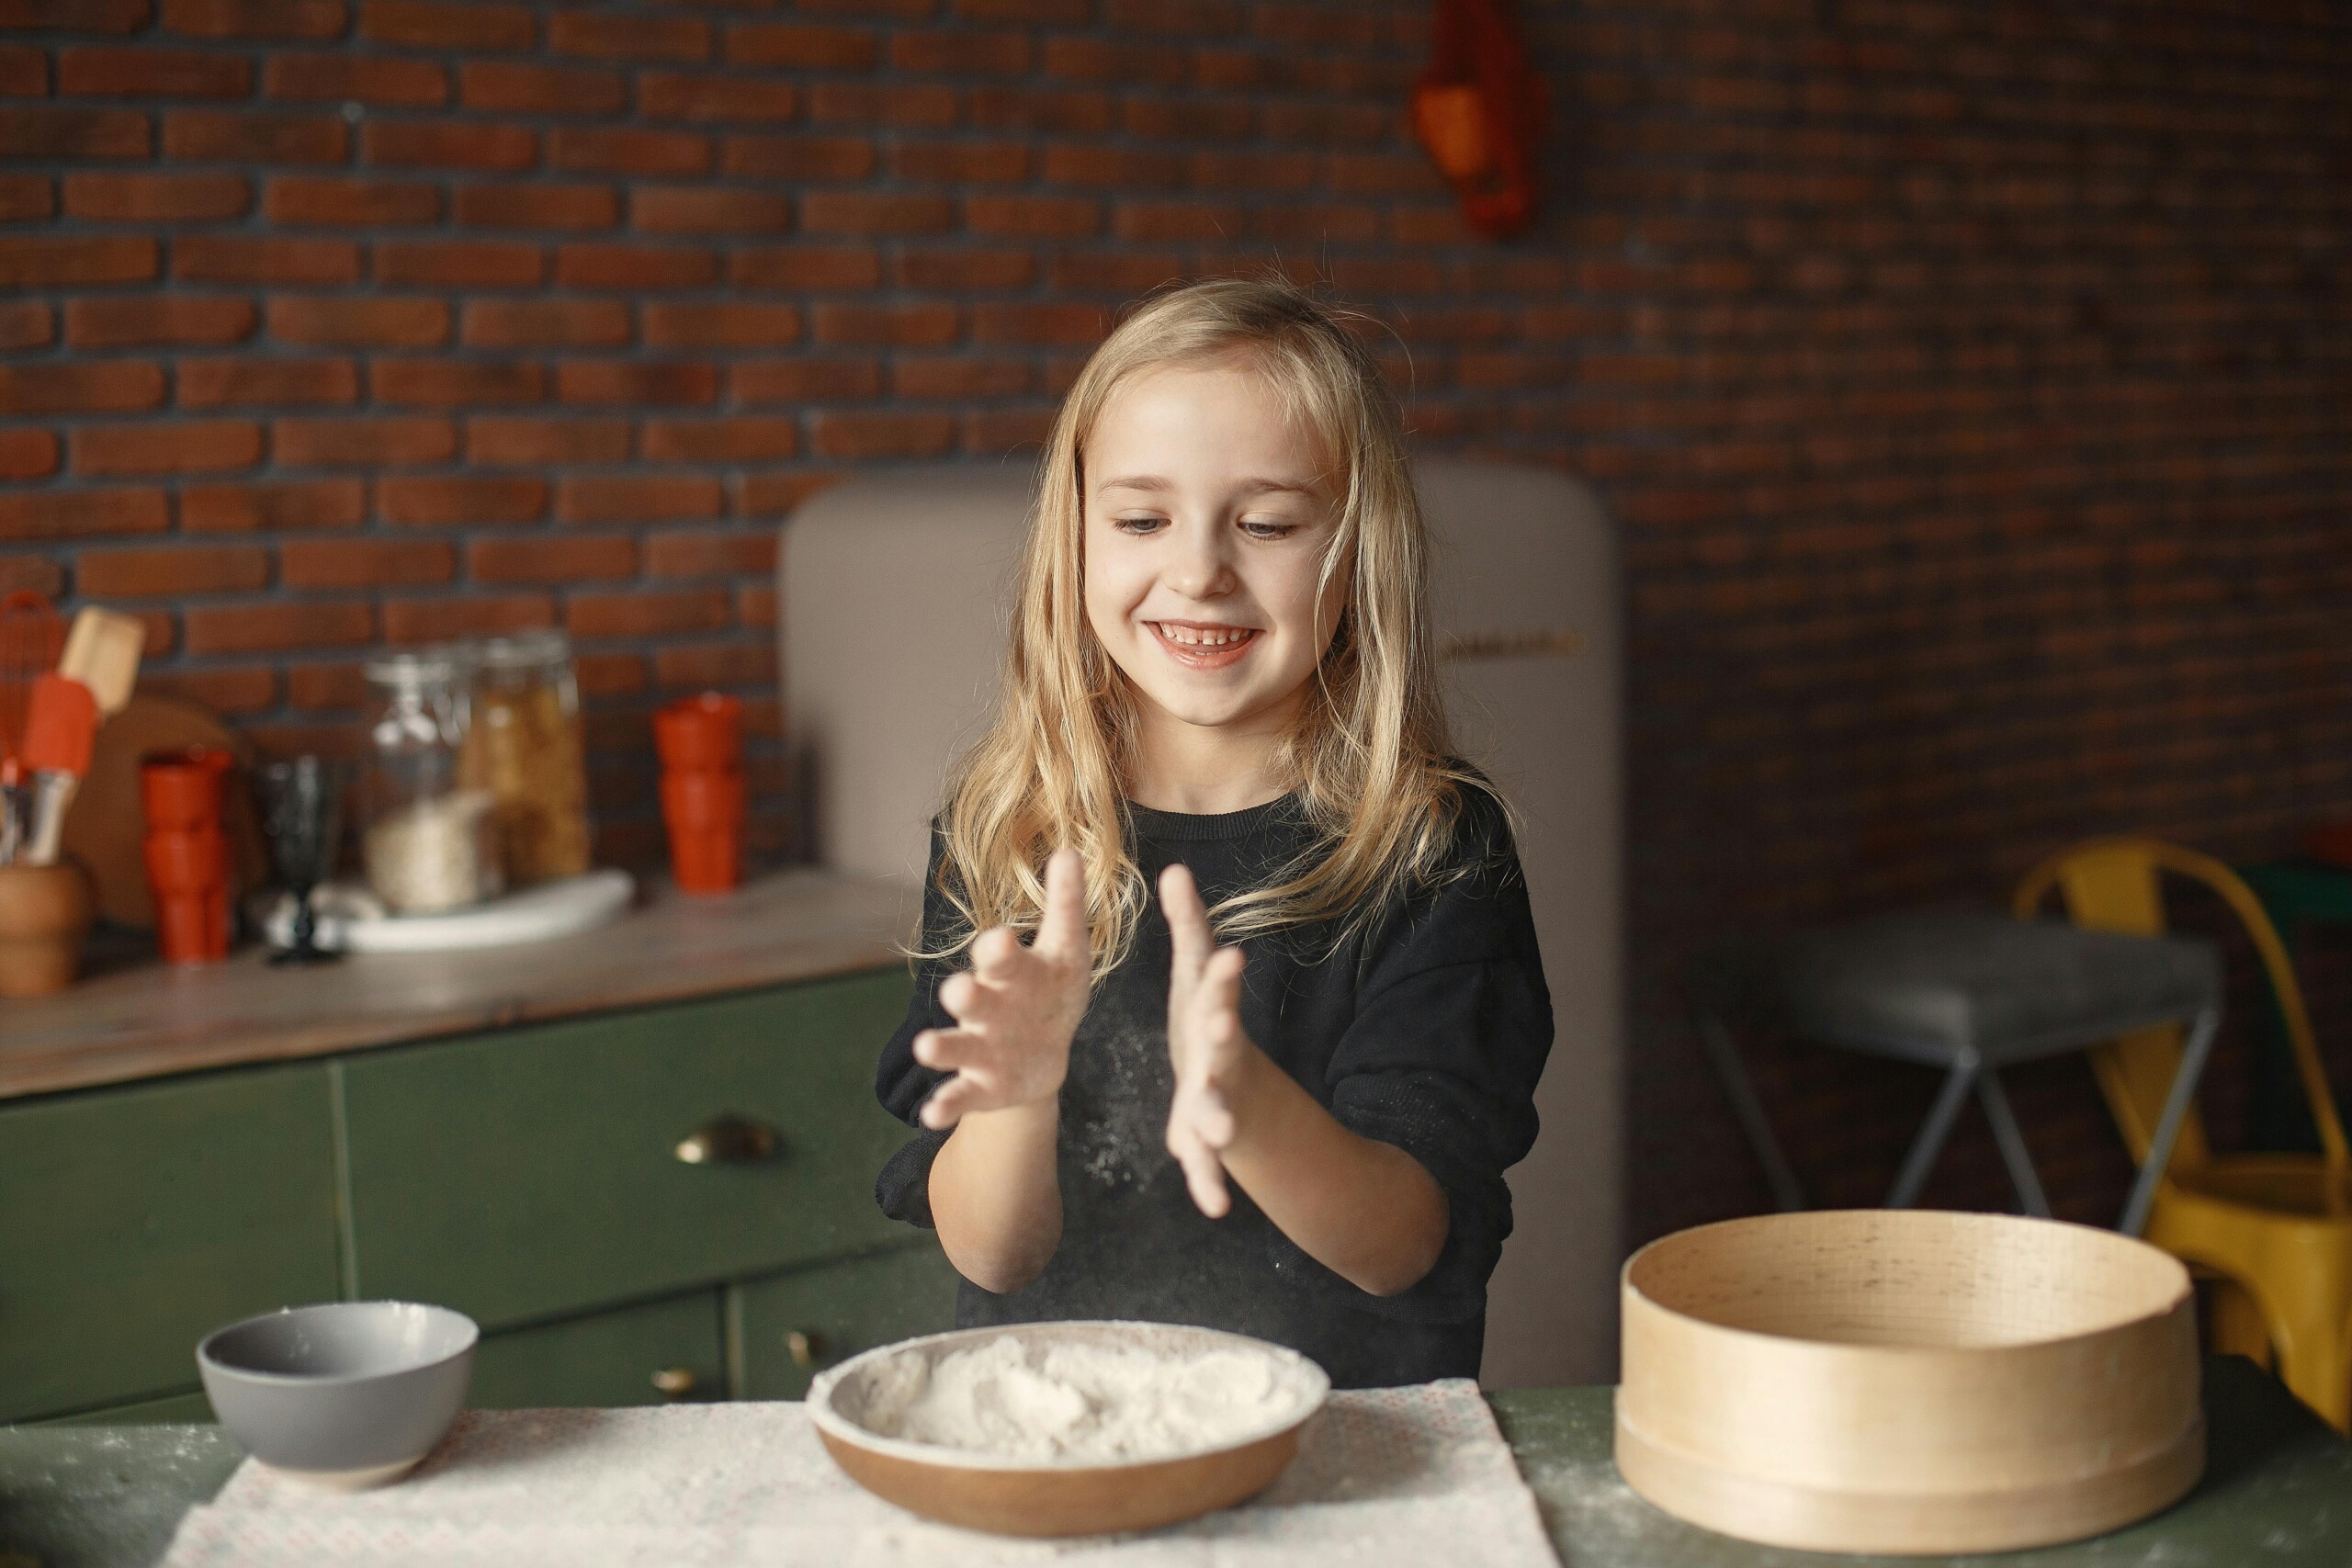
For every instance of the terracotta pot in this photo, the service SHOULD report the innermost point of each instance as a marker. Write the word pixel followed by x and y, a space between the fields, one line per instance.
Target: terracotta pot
pixel 45 911
pixel 703 733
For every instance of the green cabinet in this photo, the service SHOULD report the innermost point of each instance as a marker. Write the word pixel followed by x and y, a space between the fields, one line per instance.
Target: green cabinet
pixel 639 1354
pixel 787 1327
pixel 134 1221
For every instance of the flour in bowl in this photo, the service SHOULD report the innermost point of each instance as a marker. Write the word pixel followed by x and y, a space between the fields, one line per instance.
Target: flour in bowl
pixel 1080 1401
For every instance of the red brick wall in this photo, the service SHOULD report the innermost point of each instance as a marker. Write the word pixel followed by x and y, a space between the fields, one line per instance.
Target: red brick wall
pixel 1970 379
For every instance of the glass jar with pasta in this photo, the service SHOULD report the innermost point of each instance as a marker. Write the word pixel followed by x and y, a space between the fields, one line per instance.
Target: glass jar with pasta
pixel 523 745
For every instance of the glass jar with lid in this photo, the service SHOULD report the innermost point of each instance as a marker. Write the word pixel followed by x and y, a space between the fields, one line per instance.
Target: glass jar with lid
pixel 429 842
pixel 523 747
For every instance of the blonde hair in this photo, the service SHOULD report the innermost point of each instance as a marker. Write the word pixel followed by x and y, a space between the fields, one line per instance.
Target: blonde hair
pixel 1369 753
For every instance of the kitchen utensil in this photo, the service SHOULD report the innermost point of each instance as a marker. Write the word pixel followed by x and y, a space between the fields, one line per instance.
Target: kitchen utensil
pixel 45 913
pixel 346 1395
pixel 1033 1497
pixel 102 652
pixel 106 830
pixel 60 722
pixel 1900 1380
pixel 302 813
pixel 31 636
pixel 187 853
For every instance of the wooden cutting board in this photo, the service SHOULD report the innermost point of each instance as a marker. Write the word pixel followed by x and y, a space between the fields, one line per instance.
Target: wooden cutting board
pixel 105 826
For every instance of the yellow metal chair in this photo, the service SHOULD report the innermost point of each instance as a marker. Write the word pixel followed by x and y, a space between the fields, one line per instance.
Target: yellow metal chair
pixel 2274 1230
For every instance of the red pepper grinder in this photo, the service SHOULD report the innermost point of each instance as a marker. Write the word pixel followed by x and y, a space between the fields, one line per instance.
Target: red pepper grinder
pixel 187 853
pixel 703 799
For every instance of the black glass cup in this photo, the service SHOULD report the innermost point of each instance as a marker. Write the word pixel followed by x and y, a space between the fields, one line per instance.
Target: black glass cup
pixel 301 810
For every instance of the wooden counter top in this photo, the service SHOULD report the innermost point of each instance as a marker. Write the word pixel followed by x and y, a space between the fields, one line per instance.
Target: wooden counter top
pixel 151 1019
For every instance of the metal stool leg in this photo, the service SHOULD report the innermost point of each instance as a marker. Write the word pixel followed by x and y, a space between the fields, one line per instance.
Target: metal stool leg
pixel 1724 1056
pixel 1932 1133
pixel 2011 1138
pixel 2175 1111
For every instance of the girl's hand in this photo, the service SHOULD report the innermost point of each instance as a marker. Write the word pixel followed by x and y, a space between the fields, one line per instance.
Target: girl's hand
pixel 1205 1042
pixel 1016 1009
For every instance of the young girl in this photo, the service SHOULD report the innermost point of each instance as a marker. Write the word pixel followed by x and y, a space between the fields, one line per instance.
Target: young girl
pixel 1220 721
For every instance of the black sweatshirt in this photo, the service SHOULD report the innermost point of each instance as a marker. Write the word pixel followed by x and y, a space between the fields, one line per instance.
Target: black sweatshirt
pixel 1426 1028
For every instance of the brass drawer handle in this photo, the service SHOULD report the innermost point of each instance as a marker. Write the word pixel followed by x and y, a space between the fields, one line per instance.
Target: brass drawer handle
pixel 674 1382
pixel 804 1346
pixel 728 1140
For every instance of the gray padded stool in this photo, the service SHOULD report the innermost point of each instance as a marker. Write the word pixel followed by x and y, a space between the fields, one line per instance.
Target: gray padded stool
pixel 1969 992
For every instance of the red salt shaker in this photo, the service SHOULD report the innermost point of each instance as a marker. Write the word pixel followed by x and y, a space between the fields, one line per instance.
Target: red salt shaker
pixel 186 852
pixel 703 796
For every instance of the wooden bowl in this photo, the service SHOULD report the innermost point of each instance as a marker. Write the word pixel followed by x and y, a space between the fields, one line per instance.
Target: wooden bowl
pixel 1901 1382
pixel 1045 1498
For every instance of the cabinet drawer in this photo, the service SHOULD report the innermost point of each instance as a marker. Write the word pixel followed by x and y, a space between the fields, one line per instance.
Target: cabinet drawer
pixel 535 1172
pixel 610 1357
pixel 792 1325
pixel 135 1221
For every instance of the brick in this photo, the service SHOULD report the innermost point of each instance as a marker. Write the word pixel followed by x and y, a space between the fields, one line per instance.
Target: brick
pixel 904 326
pixel 965 269
pixel 905 106
pixel 807 266
pixel 311 564
pixel 867 212
pixel 234 258
pixel 546 323
pixel 941 375
pixel 455 26
pixel 998 432
pixel 605 37
pixel 1063 113
pixel 798 47
pixel 24 72
pixel 229 137
pixel 593 265
pixel 804 381
pixel 453 383
pixel 273 508
pixel 775 495
pixel 636 381
pixel 660 613
pixel 571 559
pixel 256 381
pixel 86 386
pixel 448 144
pixel 707 210
pixel 701 666
pixel 76 513
pixel 798 157
pixel 48 260
pixel 363 442
pixel 460 263
pixel 138 322
pixel 1150 222
pixel 46 133
pixel 1053 13
pixel 742 439
pixel 501 87
pixel 319 199
pixel 628 150
pixel 23 197
pixel 678 95
pixel 1038 323
pixel 378 322
pixel 960 53
pixel 265 627
pixel 150 198
pixel 177 447
pixel 412 621
pixel 1033 216
pixel 99 71
pixel 713 325
pixel 501 439
pixel 331 688
pixel 227 689
pixel 37 574
pixel 961 163
pixel 342 77
pixel 28 453
pixel 144 573
pixel 76 15
pixel 878 434
pixel 436 502
pixel 26 324
pixel 638 498
pixel 609 675
pixel 255 19
pixel 708 552
pixel 561 207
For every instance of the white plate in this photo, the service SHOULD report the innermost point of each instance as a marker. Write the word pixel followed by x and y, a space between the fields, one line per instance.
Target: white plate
pixel 352 919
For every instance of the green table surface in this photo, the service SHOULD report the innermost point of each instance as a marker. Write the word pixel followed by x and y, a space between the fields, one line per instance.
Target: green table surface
pixel 2276 1493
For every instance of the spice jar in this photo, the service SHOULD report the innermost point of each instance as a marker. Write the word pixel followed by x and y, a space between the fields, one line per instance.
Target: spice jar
pixel 523 747
pixel 430 843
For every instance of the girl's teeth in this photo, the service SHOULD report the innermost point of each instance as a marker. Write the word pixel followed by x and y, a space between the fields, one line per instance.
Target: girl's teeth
pixel 1200 640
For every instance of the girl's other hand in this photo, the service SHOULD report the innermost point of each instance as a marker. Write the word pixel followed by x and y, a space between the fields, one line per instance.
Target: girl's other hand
pixel 1205 1042
pixel 1016 1009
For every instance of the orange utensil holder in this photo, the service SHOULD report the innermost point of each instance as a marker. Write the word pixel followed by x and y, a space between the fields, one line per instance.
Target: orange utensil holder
pixel 187 853
pixel 704 797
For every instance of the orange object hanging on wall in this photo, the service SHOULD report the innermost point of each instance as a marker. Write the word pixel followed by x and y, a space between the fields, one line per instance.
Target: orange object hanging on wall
pixel 1480 109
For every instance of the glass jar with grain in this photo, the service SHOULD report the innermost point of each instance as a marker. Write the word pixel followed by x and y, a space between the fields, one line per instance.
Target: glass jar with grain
pixel 523 747
pixel 429 844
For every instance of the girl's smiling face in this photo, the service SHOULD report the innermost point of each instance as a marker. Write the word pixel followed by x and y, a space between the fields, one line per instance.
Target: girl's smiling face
pixel 1207 517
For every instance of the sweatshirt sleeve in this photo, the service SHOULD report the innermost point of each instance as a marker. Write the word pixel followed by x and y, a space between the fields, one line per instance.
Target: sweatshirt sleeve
pixel 1452 1028
pixel 903 1084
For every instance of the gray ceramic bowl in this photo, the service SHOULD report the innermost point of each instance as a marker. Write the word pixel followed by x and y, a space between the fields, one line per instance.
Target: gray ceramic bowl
pixel 348 1394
